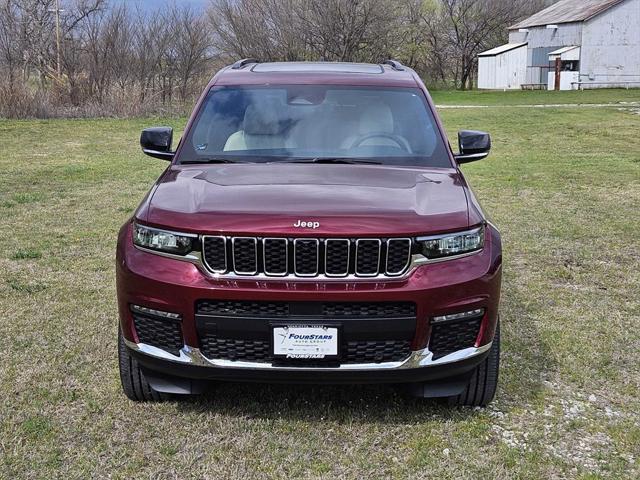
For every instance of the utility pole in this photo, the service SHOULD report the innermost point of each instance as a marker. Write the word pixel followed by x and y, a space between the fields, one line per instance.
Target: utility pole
pixel 57 11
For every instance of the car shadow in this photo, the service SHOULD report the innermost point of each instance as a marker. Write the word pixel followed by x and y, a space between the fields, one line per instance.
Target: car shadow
pixel 353 404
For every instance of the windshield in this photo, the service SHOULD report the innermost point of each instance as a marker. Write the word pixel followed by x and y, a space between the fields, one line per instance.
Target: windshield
pixel 391 126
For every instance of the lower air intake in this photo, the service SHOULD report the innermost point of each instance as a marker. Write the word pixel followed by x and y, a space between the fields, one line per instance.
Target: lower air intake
pixel 450 337
pixel 165 334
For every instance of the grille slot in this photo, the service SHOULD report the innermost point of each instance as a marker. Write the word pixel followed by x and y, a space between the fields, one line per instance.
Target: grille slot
pixel 215 253
pixel 398 255
pixel 337 256
pixel 307 257
pixel 245 256
pixel 449 337
pixel 276 256
pixel 368 257
pixel 162 333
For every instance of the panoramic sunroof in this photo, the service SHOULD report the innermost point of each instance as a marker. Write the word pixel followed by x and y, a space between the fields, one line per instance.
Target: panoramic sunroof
pixel 316 67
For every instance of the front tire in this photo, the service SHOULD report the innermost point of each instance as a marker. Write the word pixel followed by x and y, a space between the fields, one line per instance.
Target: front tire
pixel 483 384
pixel 134 383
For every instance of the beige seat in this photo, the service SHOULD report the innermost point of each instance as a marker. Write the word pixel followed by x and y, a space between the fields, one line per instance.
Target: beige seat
pixel 262 128
pixel 374 119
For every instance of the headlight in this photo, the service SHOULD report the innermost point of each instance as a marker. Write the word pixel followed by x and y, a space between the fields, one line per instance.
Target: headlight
pixel 162 240
pixel 439 246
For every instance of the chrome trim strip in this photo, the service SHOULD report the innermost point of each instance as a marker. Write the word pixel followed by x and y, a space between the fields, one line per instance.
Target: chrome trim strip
pixel 361 275
pixel 475 314
pixel 419 260
pixel 224 246
pixel 193 257
pixel 406 263
pixel 418 359
pixel 295 266
pixel 286 256
pixel 255 255
pixel 334 275
pixel 146 311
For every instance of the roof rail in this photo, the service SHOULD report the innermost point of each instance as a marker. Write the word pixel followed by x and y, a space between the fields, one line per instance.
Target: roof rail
pixel 396 65
pixel 243 63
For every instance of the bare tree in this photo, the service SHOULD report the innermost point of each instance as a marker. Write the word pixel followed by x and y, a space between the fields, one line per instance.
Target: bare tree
pixel 191 45
pixel 342 30
pixel 112 54
pixel 356 30
pixel 10 40
pixel 266 29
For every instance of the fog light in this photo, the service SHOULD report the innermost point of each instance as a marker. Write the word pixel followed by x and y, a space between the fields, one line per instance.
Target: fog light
pixel 155 313
pixel 458 316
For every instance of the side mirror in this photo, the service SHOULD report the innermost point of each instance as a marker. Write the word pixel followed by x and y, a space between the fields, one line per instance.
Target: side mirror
pixel 473 146
pixel 156 142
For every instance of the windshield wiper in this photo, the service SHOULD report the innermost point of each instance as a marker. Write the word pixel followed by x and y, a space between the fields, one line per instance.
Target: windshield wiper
pixel 329 160
pixel 212 160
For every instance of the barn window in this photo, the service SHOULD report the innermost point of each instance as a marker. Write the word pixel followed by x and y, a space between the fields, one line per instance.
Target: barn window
pixel 570 65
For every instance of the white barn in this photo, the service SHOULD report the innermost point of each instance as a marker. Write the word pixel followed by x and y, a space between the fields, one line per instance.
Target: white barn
pixel 503 67
pixel 572 44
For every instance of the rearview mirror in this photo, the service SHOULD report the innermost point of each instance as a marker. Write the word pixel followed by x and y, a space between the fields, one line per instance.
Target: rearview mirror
pixel 473 146
pixel 156 142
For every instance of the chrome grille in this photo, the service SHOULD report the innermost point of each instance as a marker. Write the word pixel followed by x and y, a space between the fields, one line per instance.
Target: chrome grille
pixel 307 257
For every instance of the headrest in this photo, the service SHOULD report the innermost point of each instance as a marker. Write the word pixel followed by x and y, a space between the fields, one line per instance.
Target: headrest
pixel 376 118
pixel 264 117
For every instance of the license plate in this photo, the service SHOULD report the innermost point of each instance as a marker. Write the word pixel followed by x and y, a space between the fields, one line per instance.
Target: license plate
pixel 305 341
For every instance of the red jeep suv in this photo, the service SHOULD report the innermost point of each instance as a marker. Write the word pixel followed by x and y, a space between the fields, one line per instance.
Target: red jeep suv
pixel 313 226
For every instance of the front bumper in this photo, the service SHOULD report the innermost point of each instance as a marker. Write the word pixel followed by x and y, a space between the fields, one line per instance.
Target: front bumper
pixel 172 285
pixel 419 366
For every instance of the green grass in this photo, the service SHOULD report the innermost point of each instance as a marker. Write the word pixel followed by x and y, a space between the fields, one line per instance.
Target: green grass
pixel 562 184
pixel 536 97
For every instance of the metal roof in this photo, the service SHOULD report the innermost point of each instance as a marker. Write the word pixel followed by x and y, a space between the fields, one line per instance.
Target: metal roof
pixel 567 11
pixel 562 50
pixel 502 49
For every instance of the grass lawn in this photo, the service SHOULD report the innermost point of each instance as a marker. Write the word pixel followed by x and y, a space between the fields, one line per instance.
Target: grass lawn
pixel 562 184
pixel 536 97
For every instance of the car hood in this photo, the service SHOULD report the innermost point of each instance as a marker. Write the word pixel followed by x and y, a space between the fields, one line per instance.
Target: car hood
pixel 269 199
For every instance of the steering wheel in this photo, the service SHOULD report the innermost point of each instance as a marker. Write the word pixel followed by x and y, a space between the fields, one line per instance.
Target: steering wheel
pixel 397 139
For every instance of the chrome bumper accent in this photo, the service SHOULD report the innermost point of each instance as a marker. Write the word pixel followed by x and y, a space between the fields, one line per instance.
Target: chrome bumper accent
pixel 418 359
